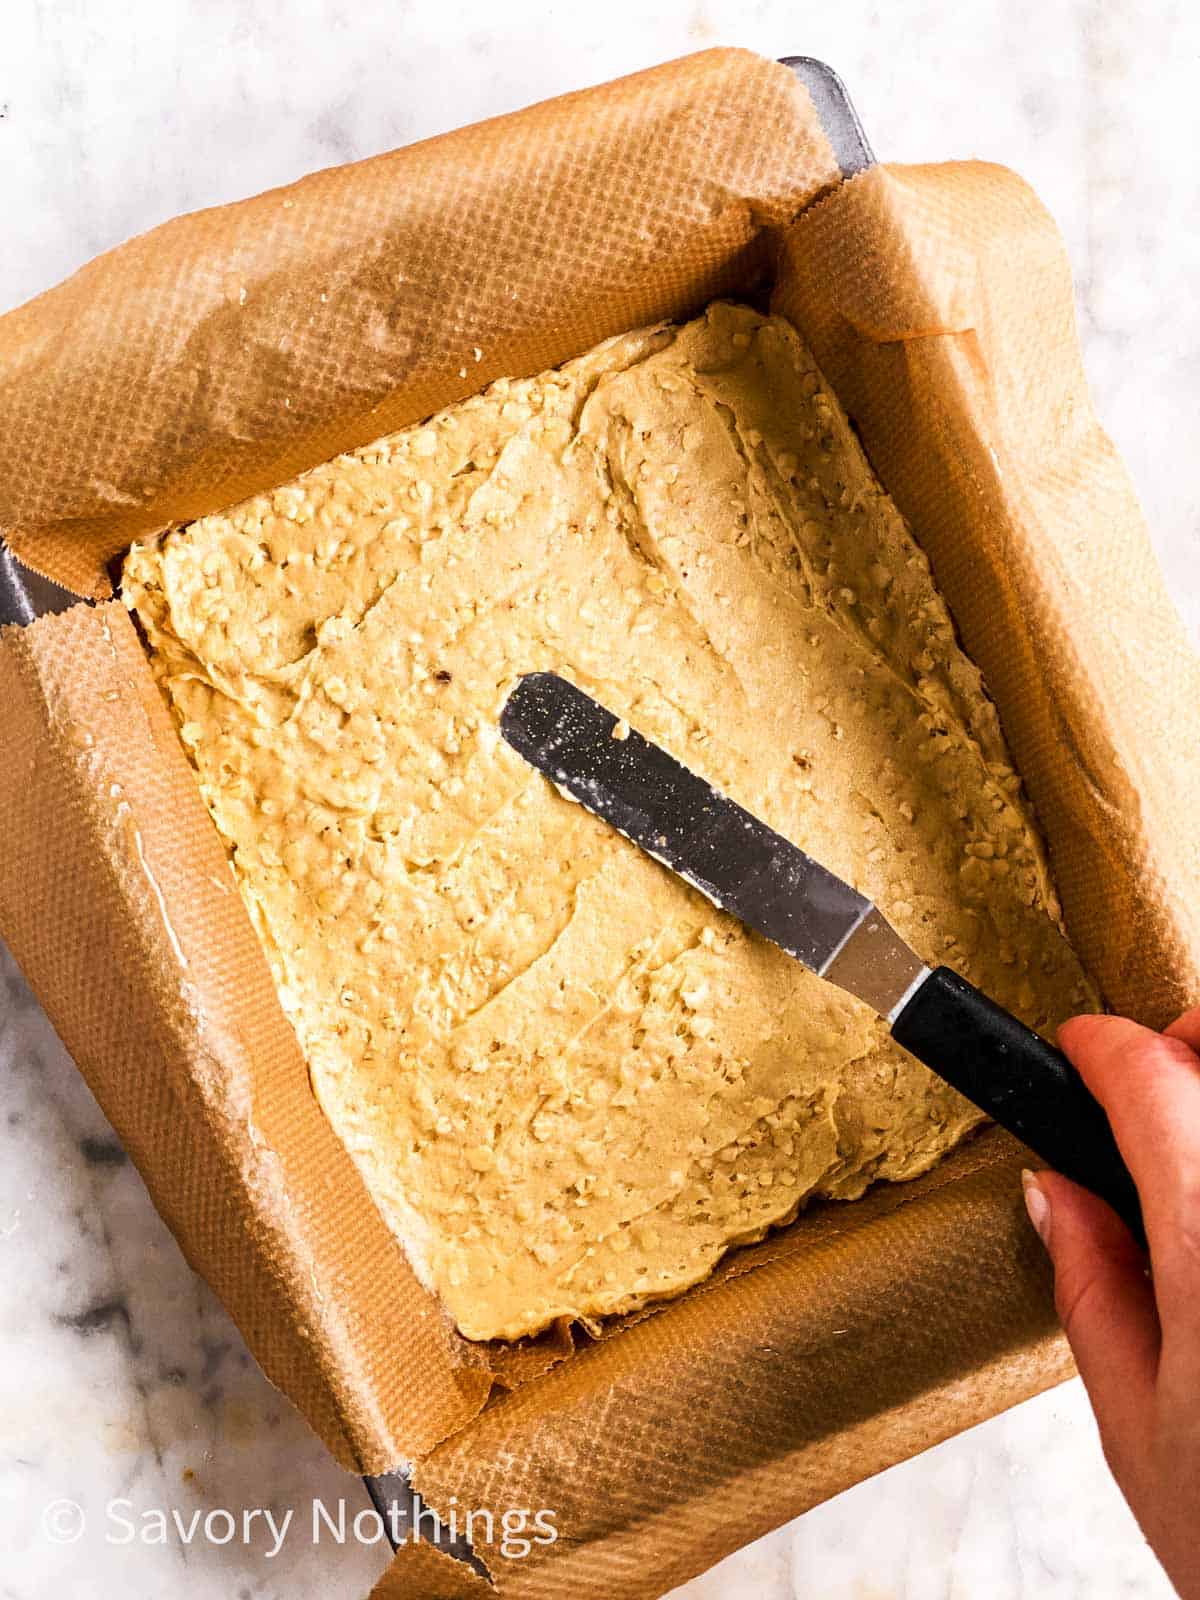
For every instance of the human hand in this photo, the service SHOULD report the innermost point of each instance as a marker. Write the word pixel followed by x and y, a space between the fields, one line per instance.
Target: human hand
pixel 1136 1337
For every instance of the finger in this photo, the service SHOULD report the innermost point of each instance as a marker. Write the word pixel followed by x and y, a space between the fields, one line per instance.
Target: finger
pixel 1106 1305
pixel 1187 1028
pixel 1149 1085
pixel 1179 1369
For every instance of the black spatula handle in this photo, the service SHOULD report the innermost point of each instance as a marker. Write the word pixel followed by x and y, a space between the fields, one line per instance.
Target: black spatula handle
pixel 1022 1082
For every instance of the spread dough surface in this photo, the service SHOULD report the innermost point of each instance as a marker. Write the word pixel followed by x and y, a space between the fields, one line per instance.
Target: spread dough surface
pixel 570 1084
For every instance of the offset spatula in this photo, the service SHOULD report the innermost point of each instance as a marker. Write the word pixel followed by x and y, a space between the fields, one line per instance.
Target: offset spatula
pixel 755 874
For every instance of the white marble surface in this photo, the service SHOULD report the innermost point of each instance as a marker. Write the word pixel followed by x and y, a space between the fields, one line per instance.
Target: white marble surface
pixel 120 1377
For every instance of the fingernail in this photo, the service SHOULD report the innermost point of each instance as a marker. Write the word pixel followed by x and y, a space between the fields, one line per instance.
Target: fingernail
pixel 1037 1205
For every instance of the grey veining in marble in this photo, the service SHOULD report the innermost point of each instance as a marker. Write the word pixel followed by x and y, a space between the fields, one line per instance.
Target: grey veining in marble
pixel 120 1376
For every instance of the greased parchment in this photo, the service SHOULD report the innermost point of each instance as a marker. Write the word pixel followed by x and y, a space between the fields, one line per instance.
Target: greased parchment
pixel 229 350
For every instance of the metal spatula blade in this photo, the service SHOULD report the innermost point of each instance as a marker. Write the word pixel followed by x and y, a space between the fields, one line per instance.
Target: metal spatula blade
pixel 731 857
pixel 770 884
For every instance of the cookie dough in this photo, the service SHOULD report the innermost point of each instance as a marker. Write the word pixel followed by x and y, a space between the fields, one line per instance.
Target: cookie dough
pixel 569 1083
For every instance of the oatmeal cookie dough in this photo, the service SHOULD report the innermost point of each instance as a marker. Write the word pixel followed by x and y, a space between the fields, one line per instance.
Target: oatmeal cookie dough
pixel 569 1083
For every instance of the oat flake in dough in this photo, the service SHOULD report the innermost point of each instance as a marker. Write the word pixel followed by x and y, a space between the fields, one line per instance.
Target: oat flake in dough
pixel 569 1083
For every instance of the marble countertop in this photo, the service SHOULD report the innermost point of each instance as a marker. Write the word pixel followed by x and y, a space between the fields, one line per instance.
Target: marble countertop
pixel 121 1379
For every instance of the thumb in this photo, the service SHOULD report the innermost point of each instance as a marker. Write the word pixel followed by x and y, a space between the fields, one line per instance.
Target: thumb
pixel 1106 1304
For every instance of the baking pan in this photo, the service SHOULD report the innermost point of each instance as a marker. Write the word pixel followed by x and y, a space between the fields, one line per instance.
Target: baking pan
pixel 26 595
